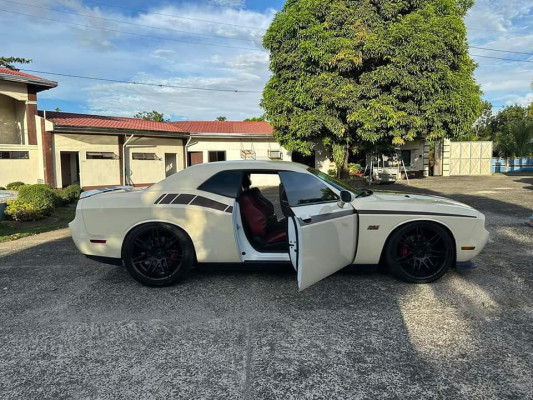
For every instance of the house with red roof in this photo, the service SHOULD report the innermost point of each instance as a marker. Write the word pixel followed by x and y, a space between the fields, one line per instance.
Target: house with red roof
pixel 60 149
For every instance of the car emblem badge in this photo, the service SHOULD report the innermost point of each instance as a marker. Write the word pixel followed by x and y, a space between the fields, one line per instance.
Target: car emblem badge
pixel 373 227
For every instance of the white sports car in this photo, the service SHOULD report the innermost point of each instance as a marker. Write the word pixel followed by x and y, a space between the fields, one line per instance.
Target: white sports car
pixel 211 213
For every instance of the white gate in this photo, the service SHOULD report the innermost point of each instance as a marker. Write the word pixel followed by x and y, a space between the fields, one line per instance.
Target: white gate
pixel 470 158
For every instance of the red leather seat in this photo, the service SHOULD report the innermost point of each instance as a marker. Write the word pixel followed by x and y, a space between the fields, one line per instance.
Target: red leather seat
pixel 261 202
pixel 257 222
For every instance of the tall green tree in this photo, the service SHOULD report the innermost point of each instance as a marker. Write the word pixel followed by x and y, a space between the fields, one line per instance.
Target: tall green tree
pixel 507 118
pixel 151 116
pixel 353 72
pixel 517 141
pixel 8 62
pixel 221 118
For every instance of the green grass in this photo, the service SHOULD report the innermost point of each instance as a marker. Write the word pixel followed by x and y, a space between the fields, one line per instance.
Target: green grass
pixel 12 230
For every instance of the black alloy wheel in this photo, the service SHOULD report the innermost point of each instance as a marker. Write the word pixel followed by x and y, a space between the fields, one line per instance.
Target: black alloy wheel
pixel 158 254
pixel 420 252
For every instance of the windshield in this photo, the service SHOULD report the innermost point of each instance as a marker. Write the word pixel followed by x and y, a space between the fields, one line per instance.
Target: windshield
pixel 336 183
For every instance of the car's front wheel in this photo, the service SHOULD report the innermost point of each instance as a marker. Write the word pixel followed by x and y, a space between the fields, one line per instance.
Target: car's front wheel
pixel 420 252
pixel 158 254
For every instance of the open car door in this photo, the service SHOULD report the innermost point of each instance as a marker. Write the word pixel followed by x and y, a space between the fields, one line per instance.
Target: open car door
pixel 322 231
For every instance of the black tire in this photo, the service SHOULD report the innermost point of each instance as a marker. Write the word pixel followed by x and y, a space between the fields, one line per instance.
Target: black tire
pixel 420 252
pixel 158 254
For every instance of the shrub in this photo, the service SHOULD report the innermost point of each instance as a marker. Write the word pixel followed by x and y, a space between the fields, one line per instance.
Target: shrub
pixel 23 211
pixel 2 188
pixel 354 168
pixel 41 196
pixel 14 185
pixel 71 193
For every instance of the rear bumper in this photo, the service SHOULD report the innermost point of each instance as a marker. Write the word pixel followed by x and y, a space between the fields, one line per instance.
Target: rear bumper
pixel 110 249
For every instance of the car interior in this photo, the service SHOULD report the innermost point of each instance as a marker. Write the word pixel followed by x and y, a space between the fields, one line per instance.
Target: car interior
pixel 263 229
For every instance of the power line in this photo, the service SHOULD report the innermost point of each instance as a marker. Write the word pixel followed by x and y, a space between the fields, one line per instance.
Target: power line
pixel 501 51
pixel 130 33
pixel 175 16
pixel 501 58
pixel 125 22
pixel 140 83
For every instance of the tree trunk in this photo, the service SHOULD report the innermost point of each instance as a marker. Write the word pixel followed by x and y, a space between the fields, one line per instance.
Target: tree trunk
pixel 343 172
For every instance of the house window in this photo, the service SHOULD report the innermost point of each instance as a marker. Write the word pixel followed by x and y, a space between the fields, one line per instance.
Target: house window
pixel 275 154
pixel 217 156
pixel 102 155
pixel 14 155
pixel 144 156
pixel 406 157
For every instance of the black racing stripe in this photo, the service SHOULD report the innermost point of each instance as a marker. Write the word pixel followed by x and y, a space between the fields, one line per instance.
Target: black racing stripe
pixel 387 212
pixel 168 198
pixel 183 199
pixel 229 209
pixel 325 217
pixel 159 199
pixel 205 202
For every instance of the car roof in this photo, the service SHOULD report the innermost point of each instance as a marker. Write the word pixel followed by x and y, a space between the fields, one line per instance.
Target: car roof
pixel 192 177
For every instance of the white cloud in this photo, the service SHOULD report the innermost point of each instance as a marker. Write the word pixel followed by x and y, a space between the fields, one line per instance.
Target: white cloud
pixel 502 25
pixel 229 3
pixel 123 99
pixel 59 47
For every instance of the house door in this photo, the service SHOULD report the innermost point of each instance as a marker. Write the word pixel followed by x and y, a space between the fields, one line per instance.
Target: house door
pixel 170 164
pixel 70 168
pixel 195 157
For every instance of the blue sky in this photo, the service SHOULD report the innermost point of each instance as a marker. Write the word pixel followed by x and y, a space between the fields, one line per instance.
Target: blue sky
pixel 208 44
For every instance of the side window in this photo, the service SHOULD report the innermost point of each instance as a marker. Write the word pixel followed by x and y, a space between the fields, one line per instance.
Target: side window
pixel 226 183
pixel 305 189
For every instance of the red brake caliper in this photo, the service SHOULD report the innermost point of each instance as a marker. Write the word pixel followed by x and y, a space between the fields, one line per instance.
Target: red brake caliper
pixel 403 249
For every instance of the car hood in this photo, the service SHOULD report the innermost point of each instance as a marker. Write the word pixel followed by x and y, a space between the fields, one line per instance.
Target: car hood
pixel 407 202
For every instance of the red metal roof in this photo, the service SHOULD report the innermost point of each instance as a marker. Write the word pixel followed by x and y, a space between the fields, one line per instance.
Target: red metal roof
pixel 62 119
pixel 226 127
pixel 8 71
pixel 100 121
pixel 17 76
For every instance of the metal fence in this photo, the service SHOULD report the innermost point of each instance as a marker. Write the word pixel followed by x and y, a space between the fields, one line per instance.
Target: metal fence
pixel 519 164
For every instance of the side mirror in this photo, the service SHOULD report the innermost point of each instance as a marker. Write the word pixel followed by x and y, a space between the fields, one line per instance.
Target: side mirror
pixel 346 197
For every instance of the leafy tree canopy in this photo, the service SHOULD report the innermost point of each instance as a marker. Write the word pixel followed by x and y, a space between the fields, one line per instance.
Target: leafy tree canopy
pixel 507 118
pixel 151 116
pixel 221 118
pixel 350 72
pixel 8 62
pixel 256 119
pixel 517 141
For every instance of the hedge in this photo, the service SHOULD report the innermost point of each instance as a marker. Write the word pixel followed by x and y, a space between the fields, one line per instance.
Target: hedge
pixel 14 185
pixel 23 211
pixel 34 202
pixel 70 193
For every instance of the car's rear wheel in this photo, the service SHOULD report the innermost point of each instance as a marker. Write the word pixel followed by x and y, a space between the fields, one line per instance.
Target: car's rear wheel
pixel 420 252
pixel 158 254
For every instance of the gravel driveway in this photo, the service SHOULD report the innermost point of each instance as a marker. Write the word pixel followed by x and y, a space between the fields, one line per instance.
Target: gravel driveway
pixel 73 328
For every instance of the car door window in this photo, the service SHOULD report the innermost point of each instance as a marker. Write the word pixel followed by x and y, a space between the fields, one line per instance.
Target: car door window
pixel 303 189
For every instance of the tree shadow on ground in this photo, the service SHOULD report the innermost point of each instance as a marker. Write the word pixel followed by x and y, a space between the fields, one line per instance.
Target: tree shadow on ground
pixel 354 334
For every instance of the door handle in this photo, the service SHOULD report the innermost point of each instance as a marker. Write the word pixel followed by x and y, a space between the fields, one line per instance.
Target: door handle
pixel 307 219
